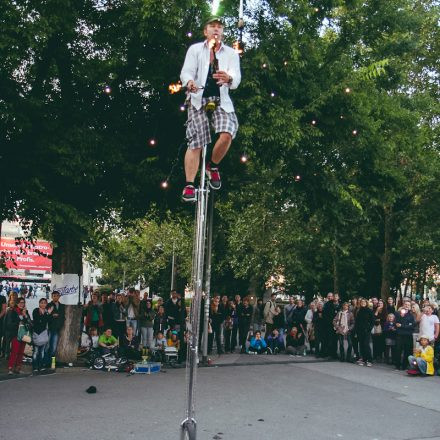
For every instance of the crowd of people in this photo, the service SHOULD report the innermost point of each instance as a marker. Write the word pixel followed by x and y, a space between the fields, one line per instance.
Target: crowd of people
pixel 364 331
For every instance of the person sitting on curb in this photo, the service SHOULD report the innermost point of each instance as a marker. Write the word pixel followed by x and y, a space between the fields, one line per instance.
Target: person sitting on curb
pixel 258 344
pixel 295 343
pixel 275 342
pixel 422 362
pixel 107 341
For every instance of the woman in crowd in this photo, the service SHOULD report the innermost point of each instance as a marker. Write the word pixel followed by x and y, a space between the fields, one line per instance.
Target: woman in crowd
pixel 310 334
pixel 160 323
pixel 295 342
pixel 244 323
pixel 344 325
pixel 14 317
pixel 380 316
pixel 417 315
pixel 146 321
pixel 390 305
pixel 93 313
pixel 319 328
pixel 258 316
pixel 234 331
pixel 6 349
pixel 364 322
pixel 130 345
pixel 40 335
pixel 389 333
pixel 215 319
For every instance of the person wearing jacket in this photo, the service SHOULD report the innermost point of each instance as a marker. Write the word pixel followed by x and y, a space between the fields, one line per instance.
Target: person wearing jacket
pixel 318 327
pixel 146 321
pixel 344 325
pixel 258 344
pixel 363 326
pixel 244 323
pixel 57 316
pixel 404 334
pixel 258 316
pixel 295 342
pixel 422 361
pixel 270 311
pixel 131 302
pixel 93 313
pixel 40 335
pixel 299 315
pixel 330 341
pixel 119 316
pixel 160 323
pixel 215 319
pixel 275 342
pixel 16 316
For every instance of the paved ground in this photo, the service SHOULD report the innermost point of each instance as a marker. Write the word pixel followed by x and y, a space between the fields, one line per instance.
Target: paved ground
pixel 308 401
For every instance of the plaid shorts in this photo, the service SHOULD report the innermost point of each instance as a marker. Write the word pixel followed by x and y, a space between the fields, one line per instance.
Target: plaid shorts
pixel 197 125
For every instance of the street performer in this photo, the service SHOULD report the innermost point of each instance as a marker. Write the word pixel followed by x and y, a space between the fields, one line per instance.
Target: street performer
pixel 210 69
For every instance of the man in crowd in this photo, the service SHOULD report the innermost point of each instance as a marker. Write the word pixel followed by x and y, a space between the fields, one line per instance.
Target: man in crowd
pixel 288 312
pixel 56 321
pixel 270 311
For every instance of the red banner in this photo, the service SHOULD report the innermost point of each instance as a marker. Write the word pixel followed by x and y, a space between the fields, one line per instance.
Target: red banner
pixel 24 255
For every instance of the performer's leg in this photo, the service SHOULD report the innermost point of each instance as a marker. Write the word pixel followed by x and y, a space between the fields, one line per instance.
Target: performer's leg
pixel 221 147
pixel 192 160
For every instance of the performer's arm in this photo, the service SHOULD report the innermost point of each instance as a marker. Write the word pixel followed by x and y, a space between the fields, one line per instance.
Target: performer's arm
pixel 189 68
pixel 234 71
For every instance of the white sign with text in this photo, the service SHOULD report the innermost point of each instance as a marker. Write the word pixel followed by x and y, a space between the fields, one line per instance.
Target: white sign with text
pixel 69 285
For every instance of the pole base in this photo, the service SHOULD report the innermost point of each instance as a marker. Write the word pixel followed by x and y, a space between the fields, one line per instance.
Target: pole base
pixel 188 429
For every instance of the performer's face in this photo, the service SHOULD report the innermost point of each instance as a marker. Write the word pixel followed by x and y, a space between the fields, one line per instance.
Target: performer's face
pixel 213 30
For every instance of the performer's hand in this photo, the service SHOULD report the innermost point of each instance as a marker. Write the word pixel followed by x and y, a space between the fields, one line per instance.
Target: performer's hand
pixel 191 86
pixel 221 77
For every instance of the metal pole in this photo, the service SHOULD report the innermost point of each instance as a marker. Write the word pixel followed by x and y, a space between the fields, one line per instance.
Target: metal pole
pixel 189 424
pixel 173 262
pixel 208 280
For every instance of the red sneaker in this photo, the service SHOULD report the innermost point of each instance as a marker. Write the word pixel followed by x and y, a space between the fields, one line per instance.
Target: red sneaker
pixel 213 174
pixel 189 194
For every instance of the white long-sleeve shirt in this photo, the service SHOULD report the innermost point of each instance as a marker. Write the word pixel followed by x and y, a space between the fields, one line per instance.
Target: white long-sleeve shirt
pixel 196 67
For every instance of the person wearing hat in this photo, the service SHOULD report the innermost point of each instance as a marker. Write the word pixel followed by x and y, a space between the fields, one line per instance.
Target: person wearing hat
pixel 210 69
pixel 422 360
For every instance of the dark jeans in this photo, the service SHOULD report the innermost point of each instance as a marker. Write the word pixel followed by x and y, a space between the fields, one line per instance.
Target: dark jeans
pixel 215 333
pixel 342 355
pixel 243 332
pixel 378 346
pixel 404 343
pixel 355 344
pixel 364 346
pixel 230 337
pixel 330 342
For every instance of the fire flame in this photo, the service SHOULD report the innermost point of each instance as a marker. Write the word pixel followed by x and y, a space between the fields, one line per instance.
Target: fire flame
pixel 175 88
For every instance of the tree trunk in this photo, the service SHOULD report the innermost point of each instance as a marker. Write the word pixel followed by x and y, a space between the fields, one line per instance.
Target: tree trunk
pixel 335 268
pixel 386 257
pixel 67 269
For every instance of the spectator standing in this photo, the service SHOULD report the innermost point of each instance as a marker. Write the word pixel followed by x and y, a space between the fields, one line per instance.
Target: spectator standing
pixel 404 334
pixel 299 316
pixel 14 317
pixel 363 325
pixel 160 323
pixel 310 333
pixel 390 305
pixel 288 312
pixel 94 313
pixel 389 331
pixel 330 340
pixel 119 316
pixel 40 334
pixel 57 316
pixel 215 319
pixel 270 311
pixel 107 310
pixel 258 316
pixel 132 307
pixel 319 329
pixel 344 325
pixel 380 316
pixel 3 307
pixel 429 324
pixel 244 323
pixel 146 321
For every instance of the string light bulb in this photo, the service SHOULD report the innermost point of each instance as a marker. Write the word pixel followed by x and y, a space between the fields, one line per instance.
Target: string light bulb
pixel 189 34
pixel 297 178
pixel 264 65
pixel 152 142
pixel 341 117
pixel 286 63
pixel 313 122
pixel 354 132
pixel 243 158
pixel 272 94
pixel 347 90
pixel 182 108
pixel 164 184
pixel 107 89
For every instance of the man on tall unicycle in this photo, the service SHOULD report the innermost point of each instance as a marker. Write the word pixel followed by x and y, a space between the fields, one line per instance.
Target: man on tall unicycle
pixel 210 69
